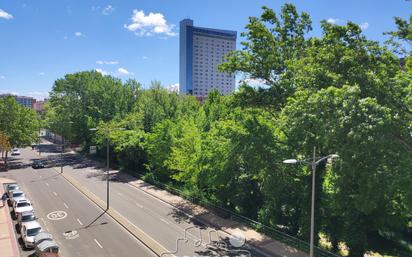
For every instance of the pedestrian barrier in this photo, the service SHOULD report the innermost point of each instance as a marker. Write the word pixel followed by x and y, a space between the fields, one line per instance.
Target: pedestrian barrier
pixel 267 230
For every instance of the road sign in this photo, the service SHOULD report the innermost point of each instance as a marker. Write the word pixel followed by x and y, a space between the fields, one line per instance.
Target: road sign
pixel 92 149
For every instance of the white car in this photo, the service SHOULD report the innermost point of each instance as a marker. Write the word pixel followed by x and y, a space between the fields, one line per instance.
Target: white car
pixel 20 206
pixel 15 195
pixel 28 231
pixel 15 151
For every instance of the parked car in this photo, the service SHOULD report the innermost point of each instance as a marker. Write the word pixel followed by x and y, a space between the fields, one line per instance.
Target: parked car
pixel 21 205
pixel 11 187
pixel 15 151
pixel 15 195
pixel 38 164
pixel 28 232
pixel 25 217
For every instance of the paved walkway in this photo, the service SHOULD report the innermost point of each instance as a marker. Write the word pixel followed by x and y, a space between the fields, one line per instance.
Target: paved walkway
pixel 8 242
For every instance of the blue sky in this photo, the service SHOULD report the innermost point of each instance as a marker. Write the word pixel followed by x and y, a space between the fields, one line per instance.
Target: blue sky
pixel 41 41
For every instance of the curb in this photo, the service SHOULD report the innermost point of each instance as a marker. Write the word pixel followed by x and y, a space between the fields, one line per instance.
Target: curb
pixel 139 234
pixel 10 225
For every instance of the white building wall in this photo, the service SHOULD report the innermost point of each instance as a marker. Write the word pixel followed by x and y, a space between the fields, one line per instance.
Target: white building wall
pixel 208 53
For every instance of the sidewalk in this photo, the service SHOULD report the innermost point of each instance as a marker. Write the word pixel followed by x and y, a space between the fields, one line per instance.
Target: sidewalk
pixel 8 242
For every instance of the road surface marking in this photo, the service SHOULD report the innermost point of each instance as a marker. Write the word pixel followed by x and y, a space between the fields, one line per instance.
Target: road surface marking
pixel 65 205
pixel 139 205
pixel 160 200
pixel 165 221
pixel 57 215
pixel 40 176
pixel 97 242
pixel 47 184
pixel 119 193
pixel 55 193
pixel 81 224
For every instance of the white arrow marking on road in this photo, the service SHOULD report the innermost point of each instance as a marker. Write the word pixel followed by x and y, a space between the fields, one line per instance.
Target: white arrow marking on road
pixel 97 242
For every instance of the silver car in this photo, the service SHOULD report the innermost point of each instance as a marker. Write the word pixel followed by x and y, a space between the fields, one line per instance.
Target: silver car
pixel 25 217
pixel 28 231
pixel 15 195
pixel 21 205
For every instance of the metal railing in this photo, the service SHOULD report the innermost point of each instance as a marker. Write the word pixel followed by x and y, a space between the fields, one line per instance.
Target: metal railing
pixel 260 227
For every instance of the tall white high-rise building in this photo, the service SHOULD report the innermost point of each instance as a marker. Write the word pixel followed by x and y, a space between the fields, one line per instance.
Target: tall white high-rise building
pixel 201 51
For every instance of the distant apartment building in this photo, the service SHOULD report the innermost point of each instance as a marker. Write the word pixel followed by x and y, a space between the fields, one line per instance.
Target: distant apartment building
pixel 25 101
pixel 201 51
pixel 39 106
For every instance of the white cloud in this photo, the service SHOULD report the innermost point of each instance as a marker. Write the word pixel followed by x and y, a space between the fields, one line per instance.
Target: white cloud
pixel 8 92
pixel 108 10
pixel 2 77
pixel 38 95
pixel 149 25
pixel 145 57
pixel 331 20
pixel 5 15
pixel 78 34
pixel 107 62
pixel 123 71
pixel 173 88
pixel 103 72
pixel 364 25
pixel 253 82
pixel 42 73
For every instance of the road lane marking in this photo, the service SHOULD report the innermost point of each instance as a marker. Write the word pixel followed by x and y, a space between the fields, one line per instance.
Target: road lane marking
pixel 55 193
pixel 40 176
pixel 119 193
pixel 165 221
pixel 65 205
pixel 47 184
pixel 139 205
pixel 97 242
pixel 81 224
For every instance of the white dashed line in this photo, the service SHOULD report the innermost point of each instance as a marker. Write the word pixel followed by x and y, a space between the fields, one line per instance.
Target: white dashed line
pixel 40 176
pixel 81 224
pixel 65 205
pixel 47 184
pixel 139 205
pixel 119 193
pixel 97 242
pixel 55 193
pixel 165 221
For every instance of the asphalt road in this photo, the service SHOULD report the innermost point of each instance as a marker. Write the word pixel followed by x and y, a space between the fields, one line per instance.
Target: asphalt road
pixel 79 227
pixel 160 220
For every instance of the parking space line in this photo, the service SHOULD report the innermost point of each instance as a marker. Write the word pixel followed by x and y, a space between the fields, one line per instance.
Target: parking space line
pixel 97 242
pixel 81 224
pixel 47 184
pixel 139 205
pixel 65 205
pixel 55 193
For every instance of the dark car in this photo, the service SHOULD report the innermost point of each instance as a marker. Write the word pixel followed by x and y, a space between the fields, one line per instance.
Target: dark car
pixel 38 164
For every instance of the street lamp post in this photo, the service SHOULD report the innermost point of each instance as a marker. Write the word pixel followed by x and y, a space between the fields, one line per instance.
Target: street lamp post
pixel 313 164
pixel 107 167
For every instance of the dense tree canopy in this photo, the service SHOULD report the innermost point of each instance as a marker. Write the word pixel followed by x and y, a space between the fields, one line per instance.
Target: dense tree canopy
pixel 338 92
